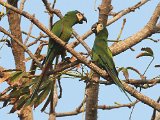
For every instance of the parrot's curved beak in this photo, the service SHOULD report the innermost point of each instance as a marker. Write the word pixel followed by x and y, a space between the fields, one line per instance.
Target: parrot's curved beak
pixel 93 28
pixel 84 19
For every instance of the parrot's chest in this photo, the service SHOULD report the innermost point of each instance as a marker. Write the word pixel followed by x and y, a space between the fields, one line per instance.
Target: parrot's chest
pixel 98 53
pixel 66 35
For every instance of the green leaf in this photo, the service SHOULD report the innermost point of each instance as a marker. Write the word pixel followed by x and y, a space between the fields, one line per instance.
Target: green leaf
pixel 14 93
pixel 22 101
pixel 32 83
pixel 147 49
pixel 144 54
pixel 29 84
pixel 117 103
pixel 120 69
pixel 24 90
pixel 135 70
pixel 19 104
pixel 16 76
pixel 45 86
pixel 42 96
pixel 5 91
pixel 125 72
pixel 147 52
pixel 157 65
pixel 5 103
pixel 19 92
pixel 29 102
pixel 50 97
pixel 84 78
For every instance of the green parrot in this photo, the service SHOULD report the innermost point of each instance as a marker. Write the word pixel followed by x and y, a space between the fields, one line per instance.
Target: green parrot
pixel 102 55
pixel 62 29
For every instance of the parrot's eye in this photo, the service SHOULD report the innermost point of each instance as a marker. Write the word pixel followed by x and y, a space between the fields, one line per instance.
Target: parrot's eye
pixel 99 27
pixel 79 16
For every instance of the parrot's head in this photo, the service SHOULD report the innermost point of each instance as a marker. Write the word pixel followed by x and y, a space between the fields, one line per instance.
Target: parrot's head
pixel 80 17
pixel 77 16
pixel 97 27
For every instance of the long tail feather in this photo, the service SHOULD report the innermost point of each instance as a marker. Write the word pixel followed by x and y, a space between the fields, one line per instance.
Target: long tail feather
pixel 118 83
pixel 43 76
pixel 115 78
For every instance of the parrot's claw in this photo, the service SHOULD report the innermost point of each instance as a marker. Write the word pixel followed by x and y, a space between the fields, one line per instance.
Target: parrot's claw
pixel 93 61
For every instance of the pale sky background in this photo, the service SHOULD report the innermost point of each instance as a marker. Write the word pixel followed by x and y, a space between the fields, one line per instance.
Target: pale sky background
pixel 73 90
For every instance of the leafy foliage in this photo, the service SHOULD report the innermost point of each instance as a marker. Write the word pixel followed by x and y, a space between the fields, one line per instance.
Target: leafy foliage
pixel 19 95
pixel 147 52
pixel 126 73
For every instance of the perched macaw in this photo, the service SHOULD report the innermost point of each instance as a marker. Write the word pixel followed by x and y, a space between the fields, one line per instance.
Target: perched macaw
pixel 102 55
pixel 62 29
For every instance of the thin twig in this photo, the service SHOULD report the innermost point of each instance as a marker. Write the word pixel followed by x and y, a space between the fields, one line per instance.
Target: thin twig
pixel 102 107
pixel 134 82
pixel 120 33
pixel 129 105
pixel 38 39
pixel 82 42
pixel 29 33
pixel 33 64
pixel 148 66
pixel 23 46
pixel 50 10
pixel 22 5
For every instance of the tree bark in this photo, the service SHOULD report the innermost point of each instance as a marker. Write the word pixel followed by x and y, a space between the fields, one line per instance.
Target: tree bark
pixel 157 116
pixel 93 88
pixel 104 10
pixel 92 98
pixel 14 24
pixel 18 52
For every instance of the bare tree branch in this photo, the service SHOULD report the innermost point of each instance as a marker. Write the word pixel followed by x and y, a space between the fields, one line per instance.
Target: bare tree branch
pixel 137 82
pixel 22 4
pixel 102 107
pixel 29 33
pixel 112 20
pixel 129 89
pixel 50 10
pixel 24 47
pixel 141 97
pixel 154 115
pixel 147 31
pixel 126 11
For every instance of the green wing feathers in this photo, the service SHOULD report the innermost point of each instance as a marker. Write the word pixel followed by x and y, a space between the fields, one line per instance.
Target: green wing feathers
pixel 51 54
pixel 110 68
pixel 102 55
pixel 57 30
pixel 62 29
